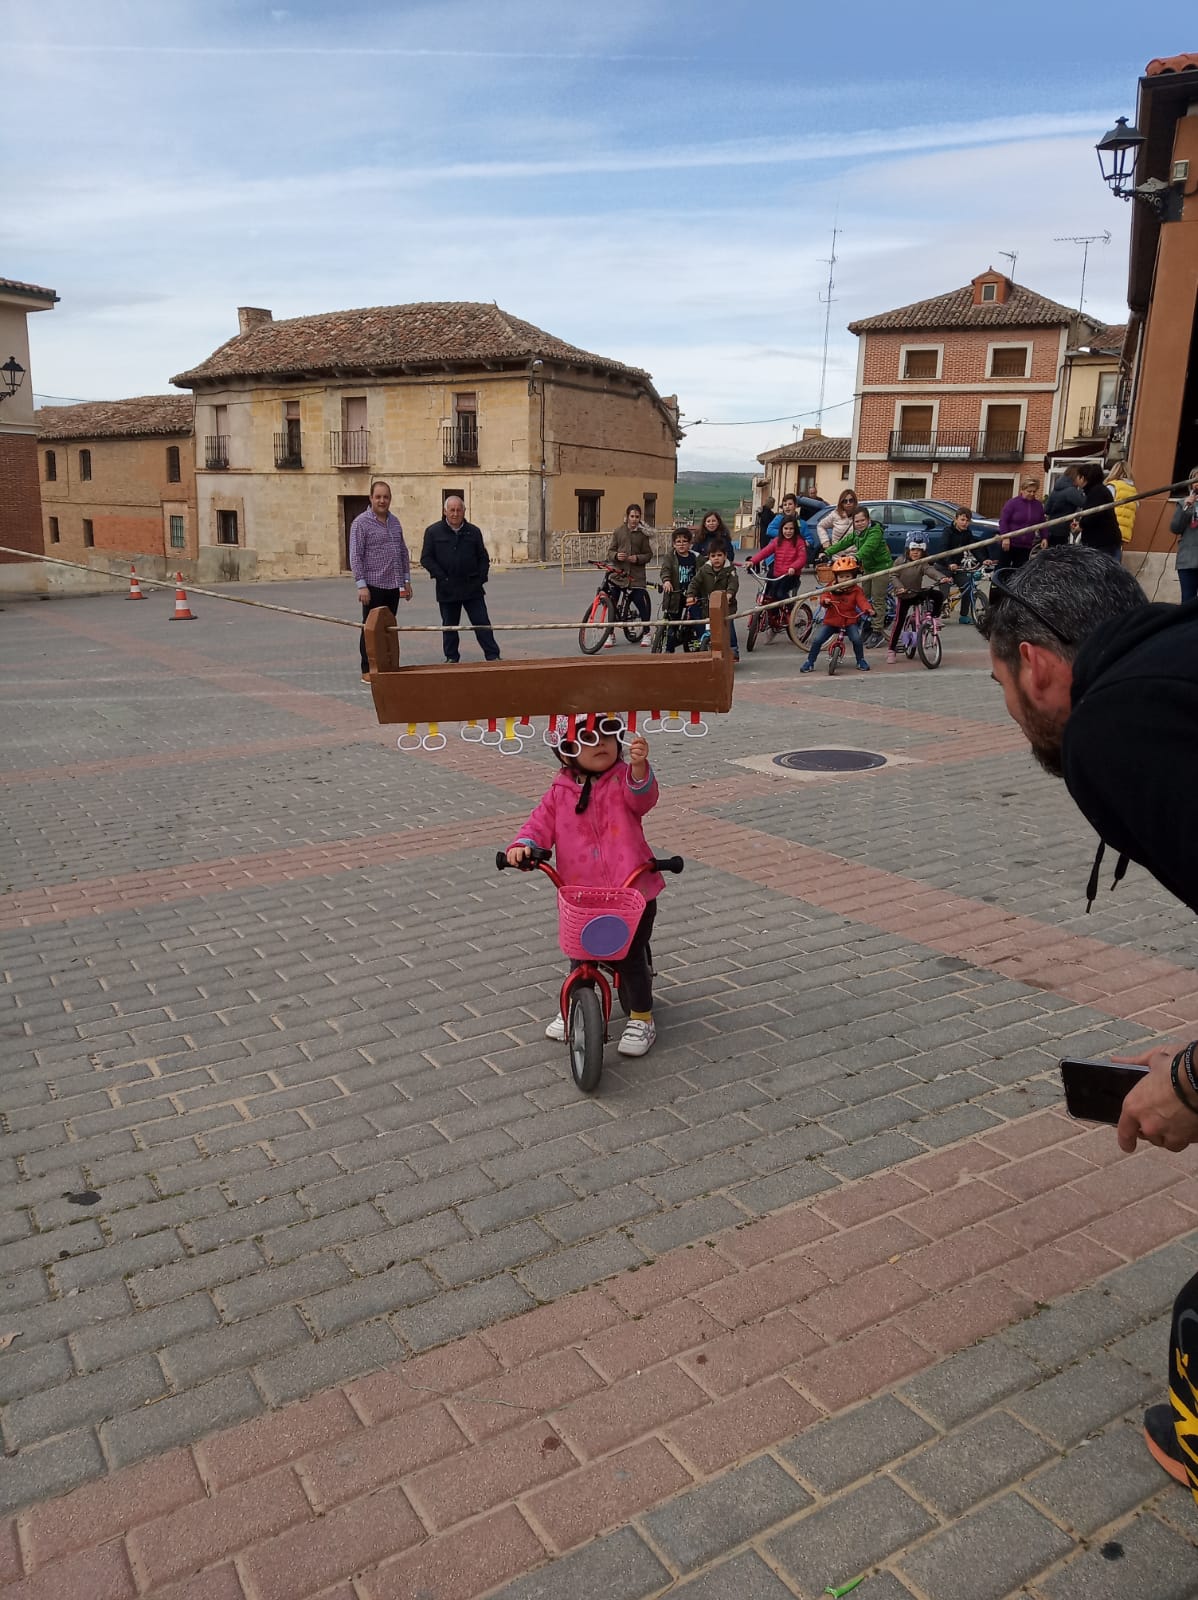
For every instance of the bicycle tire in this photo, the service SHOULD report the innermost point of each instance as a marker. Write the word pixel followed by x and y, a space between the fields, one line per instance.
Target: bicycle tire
pixel 753 630
pixel 597 626
pixel 799 624
pixel 979 608
pixel 835 651
pixel 659 639
pixel 931 650
pixel 584 1037
pixel 635 633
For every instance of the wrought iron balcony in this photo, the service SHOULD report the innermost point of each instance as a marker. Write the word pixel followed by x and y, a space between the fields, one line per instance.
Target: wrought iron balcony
pixel 956 444
pixel 350 447
pixel 288 449
pixel 1095 421
pixel 216 451
pixel 459 441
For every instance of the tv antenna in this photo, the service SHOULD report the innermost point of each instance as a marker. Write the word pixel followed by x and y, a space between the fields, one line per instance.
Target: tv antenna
pixel 1012 256
pixel 827 300
pixel 1085 240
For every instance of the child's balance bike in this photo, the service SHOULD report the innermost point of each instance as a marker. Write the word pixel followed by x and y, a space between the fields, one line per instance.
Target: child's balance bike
pixel 595 929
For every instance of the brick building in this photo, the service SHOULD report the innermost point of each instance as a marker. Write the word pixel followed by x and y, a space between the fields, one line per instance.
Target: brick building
pixel 295 419
pixel 817 465
pixel 20 503
pixel 118 477
pixel 959 394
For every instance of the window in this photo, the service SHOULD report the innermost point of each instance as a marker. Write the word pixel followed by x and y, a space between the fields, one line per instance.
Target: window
pixel 921 363
pixel 909 489
pixel 351 447
pixel 51 467
pixel 1008 361
pixel 89 534
pixel 650 501
pixel 173 474
pixel 461 439
pixel 989 293
pixel 806 481
pixel 178 536
pixel 85 464
pixel 447 494
pixel 226 527
pixel 55 536
pixel 589 501
pixel 844 472
pixel 993 494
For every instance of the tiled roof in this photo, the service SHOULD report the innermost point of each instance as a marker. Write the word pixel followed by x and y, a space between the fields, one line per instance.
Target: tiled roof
pixel 386 338
pixel 1107 337
pixel 810 450
pixel 1166 64
pixel 1023 308
pixel 15 286
pixel 148 414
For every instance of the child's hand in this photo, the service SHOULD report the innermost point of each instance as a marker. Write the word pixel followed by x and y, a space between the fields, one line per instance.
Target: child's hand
pixel 517 854
pixel 638 757
pixel 667 587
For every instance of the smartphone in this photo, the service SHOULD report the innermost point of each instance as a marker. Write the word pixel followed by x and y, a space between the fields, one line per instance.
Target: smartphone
pixel 1095 1090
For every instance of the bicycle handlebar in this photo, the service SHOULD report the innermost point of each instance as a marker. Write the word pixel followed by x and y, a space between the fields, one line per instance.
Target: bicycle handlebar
pixel 536 855
pixel 667 863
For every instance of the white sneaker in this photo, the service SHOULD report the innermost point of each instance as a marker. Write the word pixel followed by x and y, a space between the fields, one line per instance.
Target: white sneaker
pixel 637 1038
pixel 556 1029
pixel 610 645
pixel 646 643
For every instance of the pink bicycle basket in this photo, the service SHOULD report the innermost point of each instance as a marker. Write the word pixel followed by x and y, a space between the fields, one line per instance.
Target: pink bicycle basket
pixel 597 924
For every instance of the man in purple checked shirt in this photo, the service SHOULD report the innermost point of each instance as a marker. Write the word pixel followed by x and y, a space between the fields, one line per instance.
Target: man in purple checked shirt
pixel 379 561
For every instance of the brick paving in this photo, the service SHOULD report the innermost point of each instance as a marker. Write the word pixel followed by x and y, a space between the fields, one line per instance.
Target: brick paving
pixel 325 1282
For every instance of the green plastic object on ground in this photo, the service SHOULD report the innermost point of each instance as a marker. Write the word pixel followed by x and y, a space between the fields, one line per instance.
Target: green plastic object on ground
pixel 845 1588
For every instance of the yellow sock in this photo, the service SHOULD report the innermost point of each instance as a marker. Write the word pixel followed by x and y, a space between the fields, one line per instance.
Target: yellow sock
pixel 640 1016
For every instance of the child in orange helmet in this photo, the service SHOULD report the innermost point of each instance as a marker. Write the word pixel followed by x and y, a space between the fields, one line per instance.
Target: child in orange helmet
pixel 843 608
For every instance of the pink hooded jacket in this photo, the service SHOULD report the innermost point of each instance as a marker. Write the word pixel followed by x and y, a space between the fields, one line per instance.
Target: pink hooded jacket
pixel 603 846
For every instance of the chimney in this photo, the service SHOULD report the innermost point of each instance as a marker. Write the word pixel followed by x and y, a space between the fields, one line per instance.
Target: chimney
pixel 252 317
pixel 813 433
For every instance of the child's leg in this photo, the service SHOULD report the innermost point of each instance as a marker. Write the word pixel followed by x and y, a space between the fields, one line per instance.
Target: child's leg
pixel 732 634
pixel 854 634
pixel 635 971
pixel 822 634
pixel 905 602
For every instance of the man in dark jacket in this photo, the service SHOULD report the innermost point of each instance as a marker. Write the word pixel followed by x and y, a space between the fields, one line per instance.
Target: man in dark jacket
pixel 456 559
pixel 1105 686
pixel 1064 498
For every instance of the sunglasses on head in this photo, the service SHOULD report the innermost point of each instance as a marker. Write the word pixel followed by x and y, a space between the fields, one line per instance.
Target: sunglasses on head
pixel 1005 592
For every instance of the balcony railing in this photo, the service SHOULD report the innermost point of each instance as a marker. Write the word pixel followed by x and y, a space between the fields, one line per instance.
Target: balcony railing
pixel 1095 421
pixel 350 447
pixel 288 450
pixel 216 450
pixel 459 442
pixel 956 444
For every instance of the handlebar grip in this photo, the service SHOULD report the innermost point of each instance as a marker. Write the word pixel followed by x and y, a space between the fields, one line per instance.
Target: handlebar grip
pixel 668 863
pixel 536 856
pixel 501 859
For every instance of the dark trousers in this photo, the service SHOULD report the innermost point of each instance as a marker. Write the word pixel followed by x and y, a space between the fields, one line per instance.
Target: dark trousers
pixel 378 597
pixel 476 611
pixel 1187 577
pixel 635 972
pixel 1183 1376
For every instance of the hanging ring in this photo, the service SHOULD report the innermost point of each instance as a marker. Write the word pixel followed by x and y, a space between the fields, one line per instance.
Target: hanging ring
pixel 696 730
pixel 672 722
pixel 570 748
pixel 472 733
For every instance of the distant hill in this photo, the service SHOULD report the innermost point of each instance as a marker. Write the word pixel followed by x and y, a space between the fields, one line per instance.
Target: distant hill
pixel 711 491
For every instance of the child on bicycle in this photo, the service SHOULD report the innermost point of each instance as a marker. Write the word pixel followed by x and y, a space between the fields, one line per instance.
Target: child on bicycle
pixel 842 608
pixel 717 572
pixel 788 549
pixel 678 568
pixel 591 816
pixel 913 585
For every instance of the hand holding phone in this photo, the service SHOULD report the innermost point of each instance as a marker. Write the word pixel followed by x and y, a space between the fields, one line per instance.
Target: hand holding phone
pixel 1095 1090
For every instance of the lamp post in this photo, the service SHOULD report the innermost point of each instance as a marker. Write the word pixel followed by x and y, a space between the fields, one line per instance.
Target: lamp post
pixel 14 377
pixel 1118 154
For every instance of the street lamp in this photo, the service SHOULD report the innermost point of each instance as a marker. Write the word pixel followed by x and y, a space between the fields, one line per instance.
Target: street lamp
pixel 1118 153
pixel 14 376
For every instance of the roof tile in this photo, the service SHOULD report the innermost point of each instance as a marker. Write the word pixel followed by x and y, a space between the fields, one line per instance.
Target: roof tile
pixel 826 449
pixel 1023 308
pixel 148 414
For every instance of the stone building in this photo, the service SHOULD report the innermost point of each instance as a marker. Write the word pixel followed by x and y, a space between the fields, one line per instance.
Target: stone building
pixel 118 477
pixel 295 419
pixel 20 504
pixel 816 465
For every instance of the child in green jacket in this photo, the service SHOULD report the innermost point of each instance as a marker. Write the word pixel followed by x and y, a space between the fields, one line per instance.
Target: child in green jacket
pixel 717 572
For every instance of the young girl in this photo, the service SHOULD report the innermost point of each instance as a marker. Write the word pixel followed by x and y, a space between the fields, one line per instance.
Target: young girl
pixel 591 816
pixel 789 552
pixel 714 535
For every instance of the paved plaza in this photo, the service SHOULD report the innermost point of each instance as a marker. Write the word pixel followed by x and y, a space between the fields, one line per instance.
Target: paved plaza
pixel 321 1281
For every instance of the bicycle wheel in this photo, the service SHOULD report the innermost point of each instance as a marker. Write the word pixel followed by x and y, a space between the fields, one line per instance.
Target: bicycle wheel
pixel 835 651
pixel 928 644
pixel 636 632
pixel 799 624
pixel 753 630
pixel 981 605
pixel 596 627
pixel 584 1037
pixel 659 639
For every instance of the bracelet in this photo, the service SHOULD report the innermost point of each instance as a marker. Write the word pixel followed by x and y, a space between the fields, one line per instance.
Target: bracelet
pixel 1175 1079
pixel 1188 1063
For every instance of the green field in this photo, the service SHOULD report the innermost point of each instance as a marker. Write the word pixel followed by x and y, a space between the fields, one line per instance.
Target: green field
pixel 711 491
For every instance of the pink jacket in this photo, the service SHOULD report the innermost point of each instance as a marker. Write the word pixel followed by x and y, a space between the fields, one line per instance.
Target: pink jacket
pixel 790 556
pixel 601 847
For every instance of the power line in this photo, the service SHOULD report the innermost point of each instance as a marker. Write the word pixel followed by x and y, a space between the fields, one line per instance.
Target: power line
pixel 755 422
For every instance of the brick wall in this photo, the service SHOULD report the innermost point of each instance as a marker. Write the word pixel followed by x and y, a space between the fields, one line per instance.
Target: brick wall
pixel 126 499
pixel 20 499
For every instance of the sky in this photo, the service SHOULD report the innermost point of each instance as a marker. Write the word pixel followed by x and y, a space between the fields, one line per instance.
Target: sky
pixel 658 182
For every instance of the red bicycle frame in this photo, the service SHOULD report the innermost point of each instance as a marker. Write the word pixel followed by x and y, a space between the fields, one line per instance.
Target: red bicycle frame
pixel 589 971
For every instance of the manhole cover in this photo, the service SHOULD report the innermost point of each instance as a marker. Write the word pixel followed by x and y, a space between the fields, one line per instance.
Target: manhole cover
pixel 829 760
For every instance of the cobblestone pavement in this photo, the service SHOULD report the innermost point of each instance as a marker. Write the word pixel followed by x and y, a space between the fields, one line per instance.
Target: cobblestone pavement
pixel 319 1277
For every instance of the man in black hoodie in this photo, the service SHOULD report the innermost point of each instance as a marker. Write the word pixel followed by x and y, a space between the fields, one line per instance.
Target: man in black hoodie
pixel 1105 686
pixel 456 559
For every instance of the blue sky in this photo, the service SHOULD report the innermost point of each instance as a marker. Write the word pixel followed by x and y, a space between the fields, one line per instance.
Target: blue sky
pixel 657 182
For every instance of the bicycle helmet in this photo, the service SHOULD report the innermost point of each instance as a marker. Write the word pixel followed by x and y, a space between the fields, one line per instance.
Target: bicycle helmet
pixel 845 566
pixel 917 544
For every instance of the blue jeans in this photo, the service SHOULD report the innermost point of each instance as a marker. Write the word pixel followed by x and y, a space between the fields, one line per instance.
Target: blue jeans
pixel 825 632
pixel 1188 578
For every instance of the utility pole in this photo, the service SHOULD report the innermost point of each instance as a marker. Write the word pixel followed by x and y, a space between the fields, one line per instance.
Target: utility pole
pixel 1085 240
pixel 827 301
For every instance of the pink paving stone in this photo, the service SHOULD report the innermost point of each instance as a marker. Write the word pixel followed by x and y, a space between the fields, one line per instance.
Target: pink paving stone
pixel 963 1315
pixel 404 1388
pixel 1056 1269
pixel 747 1354
pixel 533 1390
pixel 111 1506
pixel 1026 1135
pixel 865 1300
pixel 280 1436
pixel 607 1493
pixel 1129 1181
pixel 1185 1192
pixel 100 1574
pixel 846 1254
pixel 1047 1217
pixel 553 1327
pixel 959 1257
pixel 1038 1174
pixel 305 1560
pixel 632 1345
pixel 974 1200
pixel 855 1368
pixel 721 1434
pixel 11 1565
pixel 760 1290
pixel 461 1565
pixel 1143 1226
pixel 489 1474
pixel 381 1454
pixel 669 1278
pixel 948 1167
pixel 629 1409
pixel 216 1583
pixel 867 1198
pixel 200 1535
pixel 773 1236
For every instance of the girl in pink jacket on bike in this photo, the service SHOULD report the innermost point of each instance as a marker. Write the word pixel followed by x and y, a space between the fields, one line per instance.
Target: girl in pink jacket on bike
pixel 591 817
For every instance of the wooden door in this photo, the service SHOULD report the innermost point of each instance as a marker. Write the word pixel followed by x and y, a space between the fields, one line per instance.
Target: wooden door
pixel 352 505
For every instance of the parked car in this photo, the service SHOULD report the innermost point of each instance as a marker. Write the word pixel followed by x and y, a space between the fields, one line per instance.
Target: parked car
pixel 901 519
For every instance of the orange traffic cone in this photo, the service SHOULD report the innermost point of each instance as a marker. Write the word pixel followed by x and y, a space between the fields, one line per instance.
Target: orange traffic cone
pixel 134 587
pixel 183 612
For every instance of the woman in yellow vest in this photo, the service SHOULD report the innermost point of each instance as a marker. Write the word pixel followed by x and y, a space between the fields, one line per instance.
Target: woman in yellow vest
pixel 1119 482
